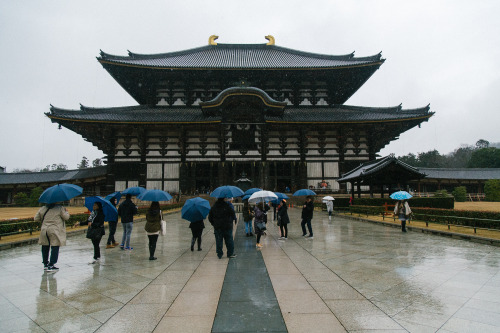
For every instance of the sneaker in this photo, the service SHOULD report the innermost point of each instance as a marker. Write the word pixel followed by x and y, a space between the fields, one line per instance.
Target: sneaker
pixel 95 261
pixel 304 235
pixel 152 258
pixel 232 256
pixel 45 267
pixel 121 247
pixel 199 249
pixel 52 269
pixel 129 248
pixel 310 237
pixel 258 245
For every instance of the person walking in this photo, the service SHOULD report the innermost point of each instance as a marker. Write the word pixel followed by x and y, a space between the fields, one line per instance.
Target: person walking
pixel 329 208
pixel 111 243
pixel 247 218
pixel 221 216
pixel 153 227
pixel 259 221
pixel 283 219
pixel 126 211
pixel 307 215
pixel 52 233
pixel 402 211
pixel 96 230
pixel 196 230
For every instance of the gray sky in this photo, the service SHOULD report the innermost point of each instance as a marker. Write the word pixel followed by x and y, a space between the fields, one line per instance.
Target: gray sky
pixel 446 53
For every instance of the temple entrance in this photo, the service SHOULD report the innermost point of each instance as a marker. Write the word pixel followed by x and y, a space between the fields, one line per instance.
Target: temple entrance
pixel 281 175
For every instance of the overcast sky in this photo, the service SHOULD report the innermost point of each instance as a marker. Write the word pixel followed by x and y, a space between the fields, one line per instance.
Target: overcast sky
pixel 446 53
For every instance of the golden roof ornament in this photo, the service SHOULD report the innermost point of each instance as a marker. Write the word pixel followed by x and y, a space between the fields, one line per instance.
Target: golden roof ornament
pixel 211 40
pixel 270 39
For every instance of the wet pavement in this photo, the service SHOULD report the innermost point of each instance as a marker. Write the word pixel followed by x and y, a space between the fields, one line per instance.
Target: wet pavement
pixel 353 276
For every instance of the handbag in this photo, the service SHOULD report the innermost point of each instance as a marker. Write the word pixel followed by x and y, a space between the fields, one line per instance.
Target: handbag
pixel 261 226
pixel 93 232
pixel 163 225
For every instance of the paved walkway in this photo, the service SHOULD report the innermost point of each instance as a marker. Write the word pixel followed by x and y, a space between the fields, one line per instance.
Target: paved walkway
pixel 353 276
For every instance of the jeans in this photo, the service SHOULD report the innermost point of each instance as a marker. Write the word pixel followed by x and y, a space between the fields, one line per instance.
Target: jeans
pixel 248 227
pixel 227 236
pixel 127 231
pixel 97 250
pixel 112 230
pixel 309 227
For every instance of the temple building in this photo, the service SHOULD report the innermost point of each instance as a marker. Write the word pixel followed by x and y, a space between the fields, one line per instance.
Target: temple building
pixel 208 115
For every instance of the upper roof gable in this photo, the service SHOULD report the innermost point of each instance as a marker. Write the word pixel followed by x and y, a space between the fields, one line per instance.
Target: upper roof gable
pixel 241 56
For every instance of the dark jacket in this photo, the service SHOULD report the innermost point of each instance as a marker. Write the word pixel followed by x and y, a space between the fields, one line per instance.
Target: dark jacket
pixel 307 211
pixel 127 210
pixel 221 215
pixel 97 221
pixel 247 212
pixel 197 225
pixel 283 215
pixel 153 221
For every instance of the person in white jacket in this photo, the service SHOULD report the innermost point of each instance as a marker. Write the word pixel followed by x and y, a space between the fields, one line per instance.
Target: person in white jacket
pixel 403 211
pixel 329 208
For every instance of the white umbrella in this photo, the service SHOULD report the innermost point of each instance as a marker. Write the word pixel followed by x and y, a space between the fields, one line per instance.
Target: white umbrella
pixel 262 196
pixel 328 198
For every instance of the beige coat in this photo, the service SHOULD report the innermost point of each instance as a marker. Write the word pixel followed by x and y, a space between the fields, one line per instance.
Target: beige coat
pixel 407 208
pixel 53 226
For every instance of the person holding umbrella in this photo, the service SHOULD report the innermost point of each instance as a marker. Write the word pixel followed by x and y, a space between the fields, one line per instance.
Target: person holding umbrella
pixel 153 227
pixel 195 211
pixel 402 208
pixel 127 210
pixel 307 215
pixel 52 233
pixel 96 229
pixel 111 243
pixel 53 217
pixel 403 211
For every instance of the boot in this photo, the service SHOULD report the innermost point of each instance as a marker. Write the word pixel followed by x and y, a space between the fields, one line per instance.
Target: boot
pixel 403 226
pixel 192 243
pixel 199 243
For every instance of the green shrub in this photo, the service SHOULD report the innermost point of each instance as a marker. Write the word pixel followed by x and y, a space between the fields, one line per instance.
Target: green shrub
pixel 441 194
pixel 21 199
pixel 460 193
pixel 492 190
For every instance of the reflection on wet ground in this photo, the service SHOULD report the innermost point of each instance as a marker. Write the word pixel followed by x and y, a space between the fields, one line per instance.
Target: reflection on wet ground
pixel 352 276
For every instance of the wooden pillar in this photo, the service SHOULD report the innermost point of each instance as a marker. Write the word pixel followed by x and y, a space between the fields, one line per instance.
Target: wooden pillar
pixel 293 181
pixel 359 188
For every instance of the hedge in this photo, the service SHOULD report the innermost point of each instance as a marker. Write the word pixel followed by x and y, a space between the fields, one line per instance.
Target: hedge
pixel 441 202
pixel 443 216
pixel 20 225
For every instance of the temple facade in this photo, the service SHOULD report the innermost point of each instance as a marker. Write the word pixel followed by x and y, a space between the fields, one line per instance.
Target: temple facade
pixel 208 115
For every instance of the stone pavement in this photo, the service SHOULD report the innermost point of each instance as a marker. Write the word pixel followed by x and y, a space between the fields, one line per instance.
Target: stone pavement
pixel 353 276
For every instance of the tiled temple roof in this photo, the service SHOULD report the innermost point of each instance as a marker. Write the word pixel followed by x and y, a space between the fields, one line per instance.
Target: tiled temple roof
pixel 461 173
pixel 182 114
pixel 240 56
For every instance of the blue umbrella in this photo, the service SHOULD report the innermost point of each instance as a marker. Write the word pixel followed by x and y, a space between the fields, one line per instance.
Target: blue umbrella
pixel 252 191
pixel 154 195
pixel 195 209
pixel 401 195
pixel 227 191
pixel 136 190
pixel 60 192
pixel 280 196
pixel 304 191
pixel 245 197
pixel 110 212
pixel 116 195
